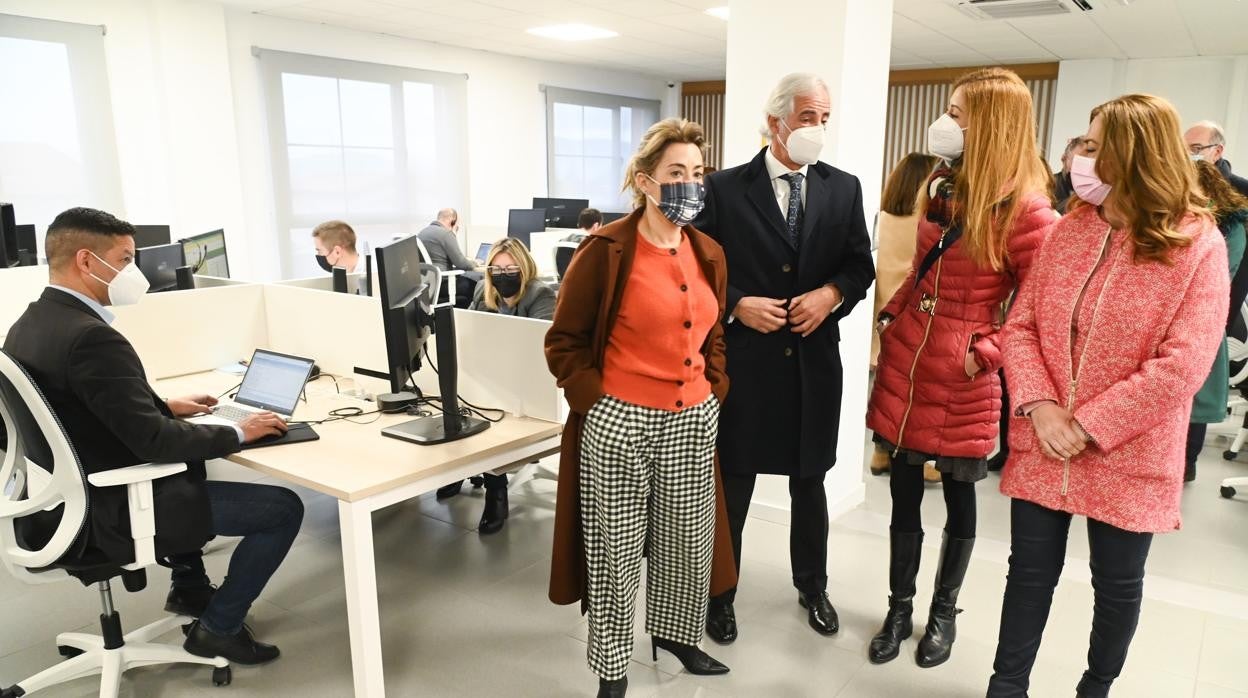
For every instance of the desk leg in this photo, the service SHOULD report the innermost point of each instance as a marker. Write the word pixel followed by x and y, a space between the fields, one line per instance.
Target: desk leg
pixel 356 523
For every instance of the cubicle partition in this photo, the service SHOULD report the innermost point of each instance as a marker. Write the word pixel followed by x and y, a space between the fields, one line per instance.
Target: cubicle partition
pixel 19 287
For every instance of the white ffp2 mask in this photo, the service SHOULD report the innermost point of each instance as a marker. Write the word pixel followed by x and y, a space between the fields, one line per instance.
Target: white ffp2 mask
pixel 128 287
pixel 945 139
pixel 804 144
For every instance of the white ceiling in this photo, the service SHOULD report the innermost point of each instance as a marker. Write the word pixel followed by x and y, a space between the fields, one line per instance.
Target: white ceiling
pixel 692 44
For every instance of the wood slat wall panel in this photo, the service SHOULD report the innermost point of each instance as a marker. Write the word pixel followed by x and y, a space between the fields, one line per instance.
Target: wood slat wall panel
pixel 707 108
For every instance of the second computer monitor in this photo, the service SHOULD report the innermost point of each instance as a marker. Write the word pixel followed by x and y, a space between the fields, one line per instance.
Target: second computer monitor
pixel 408 290
pixel 159 265
pixel 561 213
pixel 523 221
pixel 151 235
pixel 205 254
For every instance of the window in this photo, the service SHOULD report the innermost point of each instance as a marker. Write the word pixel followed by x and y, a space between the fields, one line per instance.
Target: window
pixel 589 140
pixel 57 146
pixel 379 147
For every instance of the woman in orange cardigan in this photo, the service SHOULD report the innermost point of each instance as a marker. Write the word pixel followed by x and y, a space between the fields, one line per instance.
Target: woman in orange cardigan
pixel 1112 335
pixel 637 346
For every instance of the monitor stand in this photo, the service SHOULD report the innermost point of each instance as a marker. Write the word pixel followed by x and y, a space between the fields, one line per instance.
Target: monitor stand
pixel 432 430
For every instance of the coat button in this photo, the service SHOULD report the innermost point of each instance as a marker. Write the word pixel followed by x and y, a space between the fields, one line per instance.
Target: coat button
pixel 672 252
pixel 788 351
pixel 680 384
pixel 688 324
pixel 688 362
pixel 786 269
pixel 680 403
pixel 683 288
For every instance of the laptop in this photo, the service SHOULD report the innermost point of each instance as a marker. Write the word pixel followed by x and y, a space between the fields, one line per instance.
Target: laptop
pixel 273 383
pixel 483 252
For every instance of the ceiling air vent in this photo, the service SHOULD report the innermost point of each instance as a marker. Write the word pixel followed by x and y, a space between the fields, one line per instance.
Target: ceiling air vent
pixel 1021 9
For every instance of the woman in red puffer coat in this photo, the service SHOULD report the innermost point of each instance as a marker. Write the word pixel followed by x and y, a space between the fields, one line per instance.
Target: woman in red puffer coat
pixel 937 395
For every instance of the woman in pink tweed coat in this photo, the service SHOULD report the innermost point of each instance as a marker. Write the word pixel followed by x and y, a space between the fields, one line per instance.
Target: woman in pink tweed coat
pixel 1112 335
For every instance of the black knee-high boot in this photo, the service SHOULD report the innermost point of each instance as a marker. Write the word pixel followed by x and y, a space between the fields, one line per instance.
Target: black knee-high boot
pixel 903 567
pixel 495 513
pixel 937 642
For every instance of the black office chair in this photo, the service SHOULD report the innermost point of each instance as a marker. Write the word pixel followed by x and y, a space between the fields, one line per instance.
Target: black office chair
pixel 44 504
pixel 563 257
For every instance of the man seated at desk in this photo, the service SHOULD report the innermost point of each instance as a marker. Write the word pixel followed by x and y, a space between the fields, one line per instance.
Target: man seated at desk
pixel 587 223
pixel 335 247
pixel 95 384
pixel 445 254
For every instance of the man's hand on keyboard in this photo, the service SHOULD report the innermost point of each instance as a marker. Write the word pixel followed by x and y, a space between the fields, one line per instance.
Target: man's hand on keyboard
pixel 260 425
pixel 191 405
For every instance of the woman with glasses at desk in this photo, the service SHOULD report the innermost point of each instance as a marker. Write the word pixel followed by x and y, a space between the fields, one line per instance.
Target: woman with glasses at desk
pixel 510 287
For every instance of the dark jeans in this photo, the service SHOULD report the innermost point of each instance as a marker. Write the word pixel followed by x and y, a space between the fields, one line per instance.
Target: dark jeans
pixel 905 483
pixel 1195 444
pixel 268 520
pixel 1037 552
pixel 808 529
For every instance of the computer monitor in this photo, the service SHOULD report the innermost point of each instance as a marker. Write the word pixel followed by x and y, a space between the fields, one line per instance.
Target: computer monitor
pixel 608 217
pixel 483 252
pixel 205 254
pixel 151 235
pixel 8 236
pixel 160 265
pixel 522 221
pixel 561 213
pixel 408 292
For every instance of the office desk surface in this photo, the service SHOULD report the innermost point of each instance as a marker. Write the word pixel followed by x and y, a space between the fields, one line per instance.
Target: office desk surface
pixel 352 461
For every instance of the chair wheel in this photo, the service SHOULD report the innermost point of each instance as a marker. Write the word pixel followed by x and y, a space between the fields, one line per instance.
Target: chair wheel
pixel 1229 455
pixel 12 692
pixel 1227 491
pixel 221 676
pixel 68 652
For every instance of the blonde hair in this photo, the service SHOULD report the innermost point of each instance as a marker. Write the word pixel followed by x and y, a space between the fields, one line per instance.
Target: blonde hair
pixel 658 137
pixel 1001 162
pixel 524 260
pixel 1143 156
pixel 335 234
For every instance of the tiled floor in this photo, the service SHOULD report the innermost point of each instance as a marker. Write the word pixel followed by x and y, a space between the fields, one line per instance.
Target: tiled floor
pixel 468 616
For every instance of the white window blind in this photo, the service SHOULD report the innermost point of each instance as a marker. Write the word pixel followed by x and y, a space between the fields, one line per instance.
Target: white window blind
pixel 57 145
pixel 380 147
pixel 589 140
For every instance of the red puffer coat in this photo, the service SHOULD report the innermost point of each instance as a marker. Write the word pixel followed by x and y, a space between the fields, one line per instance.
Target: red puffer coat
pixel 923 400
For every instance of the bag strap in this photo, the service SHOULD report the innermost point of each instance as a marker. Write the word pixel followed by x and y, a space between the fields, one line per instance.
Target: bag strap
pixel 946 241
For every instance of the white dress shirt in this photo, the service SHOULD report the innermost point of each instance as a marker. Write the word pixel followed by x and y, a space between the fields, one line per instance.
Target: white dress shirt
pixel 776 171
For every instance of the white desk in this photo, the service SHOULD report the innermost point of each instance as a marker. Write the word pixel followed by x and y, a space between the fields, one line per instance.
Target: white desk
pixel 366 471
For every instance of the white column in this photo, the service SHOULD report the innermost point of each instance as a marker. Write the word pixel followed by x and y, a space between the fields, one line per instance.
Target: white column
pixel 846 42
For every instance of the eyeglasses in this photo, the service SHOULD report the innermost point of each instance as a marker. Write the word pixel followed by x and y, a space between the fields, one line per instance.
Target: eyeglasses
pixel 504 271
pixel 1195 148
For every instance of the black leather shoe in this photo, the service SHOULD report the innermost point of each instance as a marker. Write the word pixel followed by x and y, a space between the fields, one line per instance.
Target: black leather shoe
pixel 903 567
pixel 822 615
pixel 942 619
pixel 495 513
pixel 240 648
pixel 189 601
pixel 448 491
pixel 694 659
pixel 721 622
pixel 613 689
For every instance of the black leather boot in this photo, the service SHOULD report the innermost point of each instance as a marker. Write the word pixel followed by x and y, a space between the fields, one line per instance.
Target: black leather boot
pixel 691 657
pixel 904 553
pixel 721 621
pixel 937 643
pixel 495 513
pixel 613 689
pixel 448 491
pixel 820 613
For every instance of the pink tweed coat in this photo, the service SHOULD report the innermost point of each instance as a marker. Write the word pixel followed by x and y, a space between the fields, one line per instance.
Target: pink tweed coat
pixel 1149 348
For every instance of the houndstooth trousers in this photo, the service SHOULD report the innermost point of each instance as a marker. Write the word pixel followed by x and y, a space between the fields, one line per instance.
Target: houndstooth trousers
pixel 647 487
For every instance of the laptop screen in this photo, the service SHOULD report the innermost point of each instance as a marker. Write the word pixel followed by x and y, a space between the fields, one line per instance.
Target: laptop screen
pixel 483 251
pixel 274 381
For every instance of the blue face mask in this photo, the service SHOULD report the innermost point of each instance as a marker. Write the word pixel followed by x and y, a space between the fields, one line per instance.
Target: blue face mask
pixel 679 202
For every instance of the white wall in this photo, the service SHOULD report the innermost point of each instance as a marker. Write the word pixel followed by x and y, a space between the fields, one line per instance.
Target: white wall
pixel 190 122
pixel 1214 88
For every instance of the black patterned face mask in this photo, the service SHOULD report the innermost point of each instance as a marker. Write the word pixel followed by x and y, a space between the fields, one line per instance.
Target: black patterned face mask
pixel 680 202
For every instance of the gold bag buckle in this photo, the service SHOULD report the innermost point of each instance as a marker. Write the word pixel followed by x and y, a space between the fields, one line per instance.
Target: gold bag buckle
pixel 927 304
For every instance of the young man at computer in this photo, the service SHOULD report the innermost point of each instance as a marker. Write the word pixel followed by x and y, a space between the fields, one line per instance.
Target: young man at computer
pixel 95 384
pixel 588 222
pixel 335 247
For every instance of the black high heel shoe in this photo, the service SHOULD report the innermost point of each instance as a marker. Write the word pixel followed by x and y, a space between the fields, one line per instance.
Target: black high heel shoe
pixel 694 659
pixel 612 689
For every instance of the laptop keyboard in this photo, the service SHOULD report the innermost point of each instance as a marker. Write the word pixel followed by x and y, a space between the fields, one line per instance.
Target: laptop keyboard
pixel 231 413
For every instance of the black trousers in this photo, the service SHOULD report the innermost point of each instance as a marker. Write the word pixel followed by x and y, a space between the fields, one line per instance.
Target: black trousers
pixel 1037 552
pixel 808 529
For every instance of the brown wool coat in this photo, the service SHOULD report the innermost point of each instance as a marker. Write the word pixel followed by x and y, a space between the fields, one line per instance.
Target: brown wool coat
pixel 589 301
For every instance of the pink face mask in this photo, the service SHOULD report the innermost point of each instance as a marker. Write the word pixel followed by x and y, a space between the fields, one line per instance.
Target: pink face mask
pixel 1085 181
